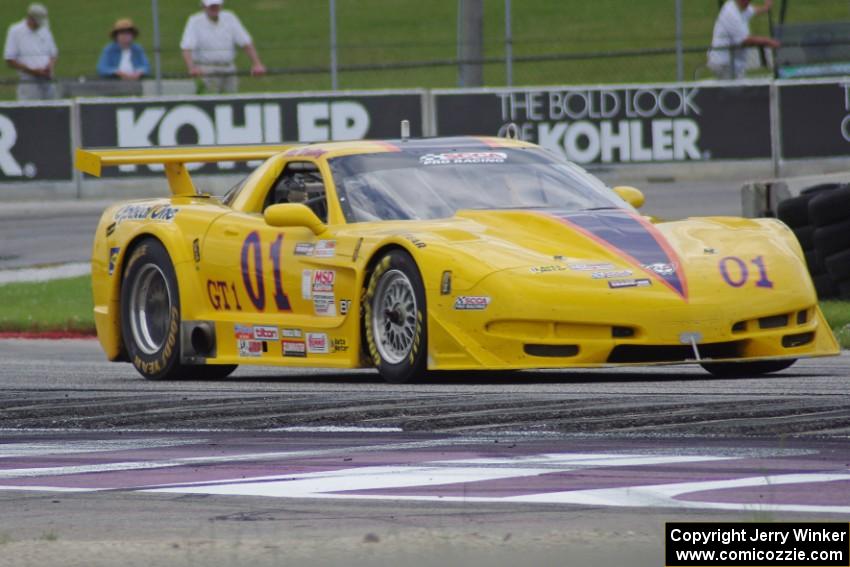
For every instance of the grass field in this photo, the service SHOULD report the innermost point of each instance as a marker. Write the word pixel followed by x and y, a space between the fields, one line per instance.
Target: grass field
pixel 294 33
pixel 58 305
pixel 66 305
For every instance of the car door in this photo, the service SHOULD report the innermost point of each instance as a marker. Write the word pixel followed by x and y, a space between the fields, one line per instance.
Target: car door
pixel 272 283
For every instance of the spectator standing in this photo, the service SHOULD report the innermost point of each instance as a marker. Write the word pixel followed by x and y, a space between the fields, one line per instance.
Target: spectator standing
pixel 728 58
pixel 209 47
pixel 123 57
pixel 31 50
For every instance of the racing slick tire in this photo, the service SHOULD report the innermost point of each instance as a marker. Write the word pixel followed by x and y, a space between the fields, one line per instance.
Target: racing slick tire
pixel 830 207
pixel 150 316
pixel 794 211
pixel 805 236
pixel 832 239
pixel 824 286
pixel 746 369
pixel 838 266
pixel 394 322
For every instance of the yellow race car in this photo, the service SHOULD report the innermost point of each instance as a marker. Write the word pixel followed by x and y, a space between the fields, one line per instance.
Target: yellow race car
pixel 414 256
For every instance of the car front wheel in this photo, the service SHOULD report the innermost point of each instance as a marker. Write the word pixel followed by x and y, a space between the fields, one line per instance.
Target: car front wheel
pixel 394 318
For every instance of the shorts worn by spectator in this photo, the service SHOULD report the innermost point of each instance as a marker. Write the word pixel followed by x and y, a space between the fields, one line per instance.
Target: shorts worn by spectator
pixel 729 56
pixel 209 47
pixel 31 50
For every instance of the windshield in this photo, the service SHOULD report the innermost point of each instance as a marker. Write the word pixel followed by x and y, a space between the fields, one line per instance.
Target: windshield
pixel 410 185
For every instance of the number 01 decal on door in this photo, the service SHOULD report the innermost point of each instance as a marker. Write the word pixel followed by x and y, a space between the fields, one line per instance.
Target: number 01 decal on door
pixel 252 272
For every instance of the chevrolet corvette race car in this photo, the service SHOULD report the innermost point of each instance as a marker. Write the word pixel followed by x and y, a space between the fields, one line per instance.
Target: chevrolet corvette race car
pixel 414 256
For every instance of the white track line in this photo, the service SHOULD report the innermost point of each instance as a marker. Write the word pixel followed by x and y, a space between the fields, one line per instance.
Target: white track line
pixel 62 271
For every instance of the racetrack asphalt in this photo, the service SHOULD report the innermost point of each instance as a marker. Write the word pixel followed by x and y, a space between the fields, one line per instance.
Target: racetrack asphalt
pixel 273 466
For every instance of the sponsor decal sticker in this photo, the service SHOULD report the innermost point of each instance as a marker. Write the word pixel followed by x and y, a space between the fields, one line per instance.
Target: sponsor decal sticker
pixel 251 349
pixel 339 345
pixel 113 259
pixel 591 266
pixel 344 306
pixel 450 158
pixel 324 304
pixel 617 284
pixel 472 303
pixel 662 269
pixel 325 249
pixel 317 343
pixel 611 275
pixel 293 348
pixel 323 280
pixel 304 249
pixel 243 332
pixel 165 213
pixel 291 333
pixel 266 333
pixel 547 269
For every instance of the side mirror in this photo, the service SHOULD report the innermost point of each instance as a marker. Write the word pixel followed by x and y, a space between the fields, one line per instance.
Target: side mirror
pixel 632 196
pixel 293 214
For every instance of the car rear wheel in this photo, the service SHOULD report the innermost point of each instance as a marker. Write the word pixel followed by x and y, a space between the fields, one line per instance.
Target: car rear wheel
pixel 394 318
pixel 150 317
pixel 746 369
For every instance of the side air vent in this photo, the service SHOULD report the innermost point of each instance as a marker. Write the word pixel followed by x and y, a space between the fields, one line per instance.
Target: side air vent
pixel 791 341
pixel 551 351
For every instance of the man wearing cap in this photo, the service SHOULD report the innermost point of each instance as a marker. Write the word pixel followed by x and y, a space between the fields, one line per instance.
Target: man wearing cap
pixel 30 50
pixel 123 58
pixel 729 57
pixel 209 47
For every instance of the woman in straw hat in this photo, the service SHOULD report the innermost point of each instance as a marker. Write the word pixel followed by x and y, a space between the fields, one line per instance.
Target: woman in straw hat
pixel 123 58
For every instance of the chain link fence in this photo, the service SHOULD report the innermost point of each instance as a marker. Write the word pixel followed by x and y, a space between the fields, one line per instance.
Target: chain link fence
pixel 405 43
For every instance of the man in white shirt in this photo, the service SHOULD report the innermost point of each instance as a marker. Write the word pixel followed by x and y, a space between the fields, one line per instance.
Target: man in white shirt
pixel 30 50
pixel 728 57
pixel 209 47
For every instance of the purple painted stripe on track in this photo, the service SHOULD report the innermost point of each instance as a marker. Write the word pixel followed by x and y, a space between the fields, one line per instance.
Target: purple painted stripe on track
pixel 835 493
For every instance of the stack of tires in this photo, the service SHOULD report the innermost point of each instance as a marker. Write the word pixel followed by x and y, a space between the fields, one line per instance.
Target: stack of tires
pixel 820 217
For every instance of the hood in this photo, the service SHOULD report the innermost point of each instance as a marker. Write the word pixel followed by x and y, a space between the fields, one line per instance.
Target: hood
pixel 689 258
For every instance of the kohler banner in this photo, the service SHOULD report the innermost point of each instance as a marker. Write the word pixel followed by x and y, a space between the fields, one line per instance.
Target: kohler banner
pixel 815 119
pixel 35 142
pixel 614 125
pixel 245 120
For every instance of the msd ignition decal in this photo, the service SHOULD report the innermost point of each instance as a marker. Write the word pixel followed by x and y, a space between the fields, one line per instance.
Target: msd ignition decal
pixel 324 304
pixel 317 343
pixel 471 303
pixel 266 333
pixel 634 239
pixel 323 280
pixel 219 120
pixel 463 157
pixel 165 213
pixel 647 123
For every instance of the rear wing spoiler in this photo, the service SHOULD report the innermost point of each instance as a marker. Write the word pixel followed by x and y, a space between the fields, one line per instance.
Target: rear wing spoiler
pixel 92 161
